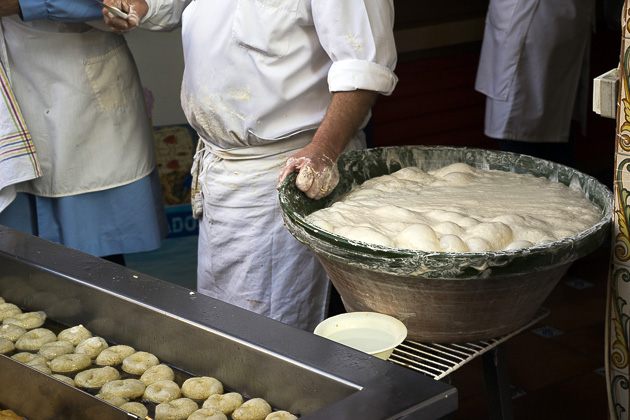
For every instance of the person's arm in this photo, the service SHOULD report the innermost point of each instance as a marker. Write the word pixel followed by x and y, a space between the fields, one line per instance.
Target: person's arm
pixel 154 15
pixel 317 162
pixel 9 7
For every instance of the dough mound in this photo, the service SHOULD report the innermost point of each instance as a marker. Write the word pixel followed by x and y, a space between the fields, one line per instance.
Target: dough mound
pixel 126 388
pixel 9 415
pixel 200 388
pixel 95 378
pixel 162 391
pixel 139 362
pixel 226 403
pixel 178 409
pixel 254 409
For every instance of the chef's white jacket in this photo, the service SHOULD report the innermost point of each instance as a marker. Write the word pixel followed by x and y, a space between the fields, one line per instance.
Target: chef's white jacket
pixel 257 82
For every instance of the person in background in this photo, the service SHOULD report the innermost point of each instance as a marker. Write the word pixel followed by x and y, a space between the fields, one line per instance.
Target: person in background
pixel 533 70
pixel 81 97
pixel 271 87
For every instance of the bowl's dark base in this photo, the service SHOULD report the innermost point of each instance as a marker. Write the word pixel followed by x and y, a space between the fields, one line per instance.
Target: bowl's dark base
pixel 446 310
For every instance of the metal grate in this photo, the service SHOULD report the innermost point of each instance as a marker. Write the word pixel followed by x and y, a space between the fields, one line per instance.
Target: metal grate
pixel 439 360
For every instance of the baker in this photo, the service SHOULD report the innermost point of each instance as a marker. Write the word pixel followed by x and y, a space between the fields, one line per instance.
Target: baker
pixel 80 94
pixel 271 87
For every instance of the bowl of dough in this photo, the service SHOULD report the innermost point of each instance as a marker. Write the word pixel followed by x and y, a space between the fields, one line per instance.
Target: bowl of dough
pixel 460 244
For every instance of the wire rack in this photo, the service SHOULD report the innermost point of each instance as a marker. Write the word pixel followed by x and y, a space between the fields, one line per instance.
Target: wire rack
pixel 439 360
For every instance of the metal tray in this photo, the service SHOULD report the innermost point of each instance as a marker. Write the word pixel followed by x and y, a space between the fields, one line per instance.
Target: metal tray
pixel 292 369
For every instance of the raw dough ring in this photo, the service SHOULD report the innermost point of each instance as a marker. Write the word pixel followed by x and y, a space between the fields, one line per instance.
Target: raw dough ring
pixel 126 388
pixel 6 346
pixel 69 363
pixel 157 373
pixel 92 346
pixel 281 415
pixel 7 310
pixel 135 408
pixel 139 362
pixel 114 355
pixel 178 409
pixel 27 320
pixel 33 340
pixel 12 332
pixel 95 378
pixel 254 409
pixel 162 391
pixel 200 388
pixel 226 403
pixel 56 348
pixel 29 358
pixel 207 414
pixel 75 334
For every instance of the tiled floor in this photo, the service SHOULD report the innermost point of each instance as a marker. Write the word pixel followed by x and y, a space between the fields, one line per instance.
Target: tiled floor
pixel 555 368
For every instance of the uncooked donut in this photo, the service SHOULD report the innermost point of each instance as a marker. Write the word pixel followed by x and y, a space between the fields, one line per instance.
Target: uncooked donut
pixel 254 409
pixel 92 346
pixel 97 377
pixel 33 340
pixel 126 388
pixel 6 346
pixel 29 358
pixel 63 378
pixel 200 388
pixel 75 334
pixel 114 355
pixel 226 403
pixel 139 362
pixel 12 332
pixel 27 320
pixel 281 415
pixel 135 408
pixel 157 373
pixel 8 310
pixel 69 363
pixel 207 414
pixel 162 391
pixel 178 409
pixel 56 348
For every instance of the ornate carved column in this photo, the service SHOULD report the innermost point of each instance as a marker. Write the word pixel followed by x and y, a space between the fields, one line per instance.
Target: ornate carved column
pixel 618 301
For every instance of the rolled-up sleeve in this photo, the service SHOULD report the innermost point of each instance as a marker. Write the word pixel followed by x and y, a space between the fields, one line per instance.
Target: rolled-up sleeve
pixel 358 36
pixel 61 10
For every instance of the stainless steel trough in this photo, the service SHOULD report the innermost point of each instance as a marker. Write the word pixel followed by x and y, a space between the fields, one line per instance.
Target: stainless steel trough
pixel 293 370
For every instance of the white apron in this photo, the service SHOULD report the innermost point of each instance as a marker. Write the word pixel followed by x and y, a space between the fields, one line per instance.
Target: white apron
pixel 85 112
pixel 247 257
pixel 534 68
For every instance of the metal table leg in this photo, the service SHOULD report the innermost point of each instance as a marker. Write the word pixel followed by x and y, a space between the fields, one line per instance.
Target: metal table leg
pixel 498 389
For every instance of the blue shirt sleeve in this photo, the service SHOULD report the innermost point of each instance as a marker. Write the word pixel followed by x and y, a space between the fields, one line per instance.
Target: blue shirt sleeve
pixel 61 10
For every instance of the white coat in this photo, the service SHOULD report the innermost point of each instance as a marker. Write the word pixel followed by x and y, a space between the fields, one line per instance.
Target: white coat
pixel 534 68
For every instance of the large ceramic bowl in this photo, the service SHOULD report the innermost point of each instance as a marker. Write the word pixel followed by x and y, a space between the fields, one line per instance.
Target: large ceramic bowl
pixel 444 296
